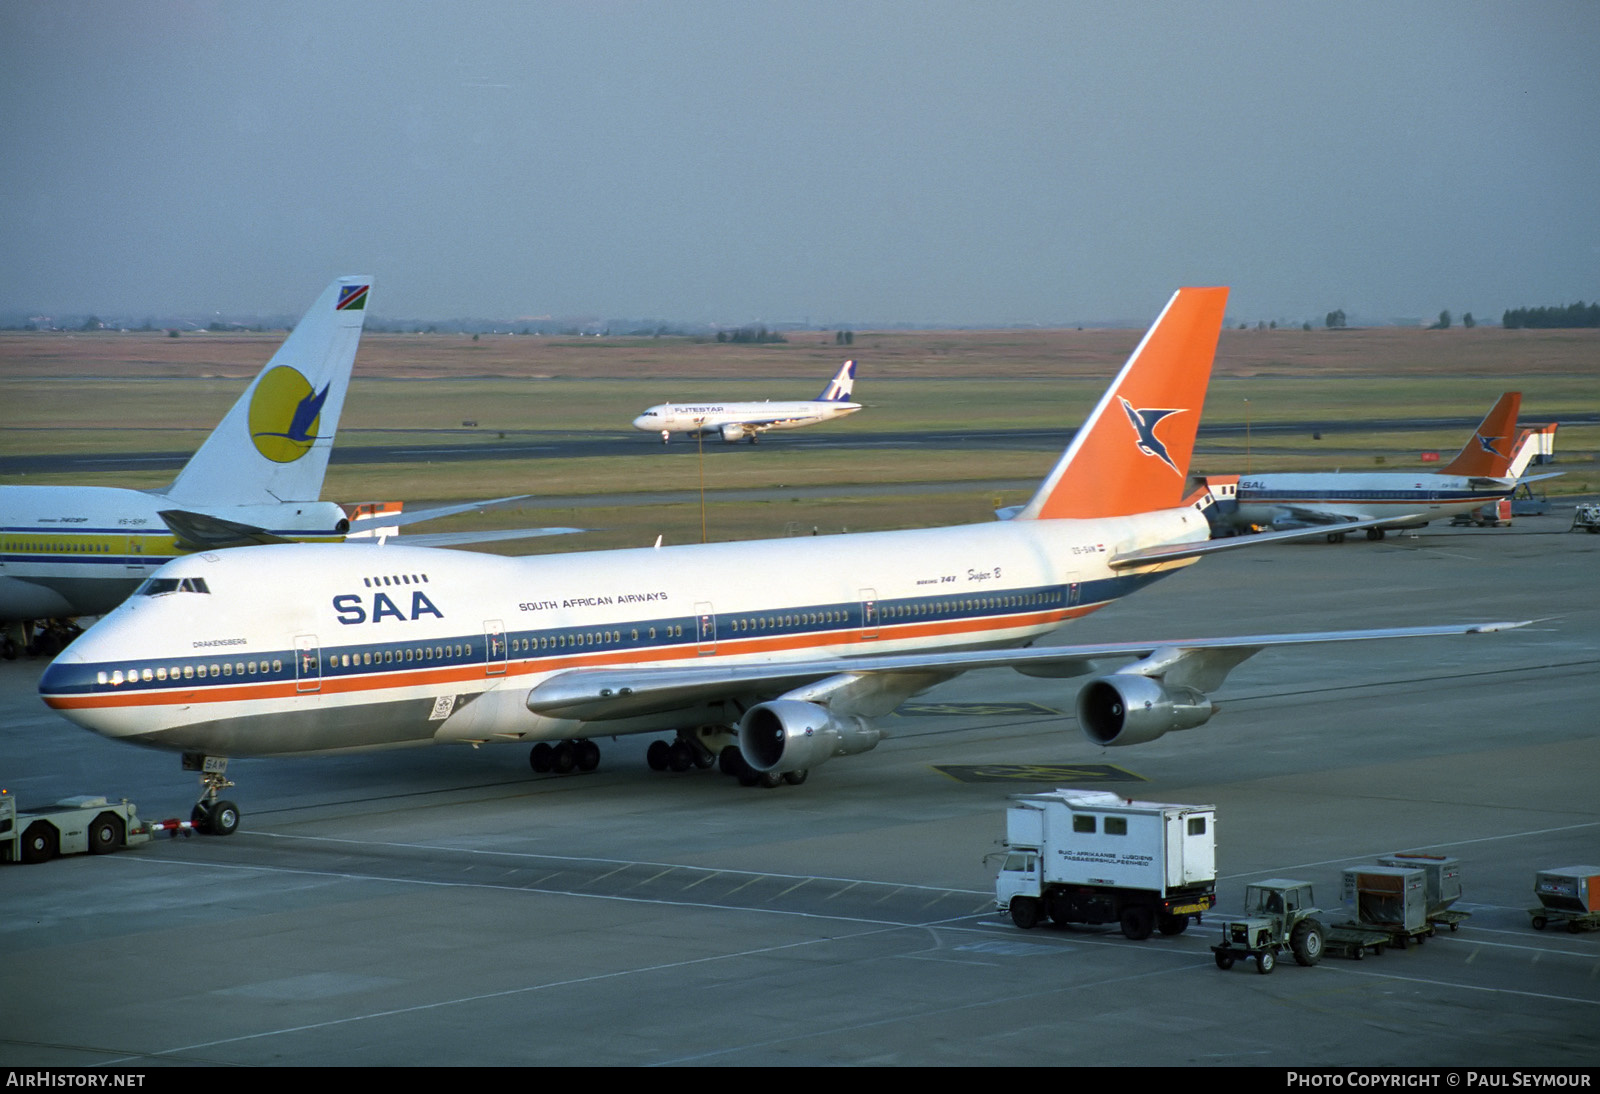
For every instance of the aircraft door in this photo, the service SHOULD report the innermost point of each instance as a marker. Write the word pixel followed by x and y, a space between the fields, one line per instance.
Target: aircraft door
pixel 307 663
pixel 705 627
pixel 869 613
pixel 1074 593
pixel 136 562
pixel 494 647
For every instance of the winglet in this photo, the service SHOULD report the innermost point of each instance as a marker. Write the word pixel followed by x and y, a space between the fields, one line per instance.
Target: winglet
pixel 274 444
pixel 838 389
pixel 1488 454
pixel 1132 455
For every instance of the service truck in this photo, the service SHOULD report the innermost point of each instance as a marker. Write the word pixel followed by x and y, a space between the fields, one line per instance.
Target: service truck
pixel 1083 856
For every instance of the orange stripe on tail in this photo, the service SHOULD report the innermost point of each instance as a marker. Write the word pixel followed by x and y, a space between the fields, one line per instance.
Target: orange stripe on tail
pixel 1488 454
pixel 1132 455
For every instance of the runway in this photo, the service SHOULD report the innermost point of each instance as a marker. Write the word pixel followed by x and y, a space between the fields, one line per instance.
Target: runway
pixel 446 906
pixel 459 445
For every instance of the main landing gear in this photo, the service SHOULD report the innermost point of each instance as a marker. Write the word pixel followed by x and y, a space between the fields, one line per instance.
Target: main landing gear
pixel 710 746
pixel 564 757
pixel 691 750
pixel 212 814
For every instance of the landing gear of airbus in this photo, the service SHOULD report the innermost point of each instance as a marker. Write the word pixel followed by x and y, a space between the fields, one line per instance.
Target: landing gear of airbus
pixel 213 815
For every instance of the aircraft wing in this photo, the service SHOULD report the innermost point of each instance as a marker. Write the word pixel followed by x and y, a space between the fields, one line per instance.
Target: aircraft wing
pixel 602 694
pixel 768 423
pixel 200 532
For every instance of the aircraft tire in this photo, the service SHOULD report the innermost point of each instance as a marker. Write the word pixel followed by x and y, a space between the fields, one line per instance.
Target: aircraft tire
pixel 541 757
pixel 588 755
pixel 224 819
pixel 658 755
pixel 679 756
pixel 796 778
pixel 730 761
pixel 564 759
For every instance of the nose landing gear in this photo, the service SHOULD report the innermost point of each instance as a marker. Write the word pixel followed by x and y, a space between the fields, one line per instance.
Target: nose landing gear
pixel 212 814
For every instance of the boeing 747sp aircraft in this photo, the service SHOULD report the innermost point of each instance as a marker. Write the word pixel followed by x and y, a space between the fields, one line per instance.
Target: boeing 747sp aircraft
pixel 745 421
pixel 67 551
pixel 774 656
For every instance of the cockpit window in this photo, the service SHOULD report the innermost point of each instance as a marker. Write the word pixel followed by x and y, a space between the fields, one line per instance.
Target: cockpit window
pixel 156 586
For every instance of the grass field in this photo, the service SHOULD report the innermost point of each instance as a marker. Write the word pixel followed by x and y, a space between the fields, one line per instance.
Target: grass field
pixel 109 392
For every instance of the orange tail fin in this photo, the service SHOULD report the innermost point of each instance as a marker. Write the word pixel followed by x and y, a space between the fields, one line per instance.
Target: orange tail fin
pixel 1132 455
pixel 1488 454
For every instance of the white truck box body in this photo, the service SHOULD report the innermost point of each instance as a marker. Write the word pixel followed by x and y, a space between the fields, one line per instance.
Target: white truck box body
pixel 1099 838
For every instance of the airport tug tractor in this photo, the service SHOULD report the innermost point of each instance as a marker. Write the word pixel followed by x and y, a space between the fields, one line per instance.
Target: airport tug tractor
pixel 1278 915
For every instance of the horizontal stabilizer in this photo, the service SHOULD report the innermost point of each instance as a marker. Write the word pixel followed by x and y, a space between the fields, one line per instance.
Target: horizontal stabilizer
pixel 201 532
pixel 487 535
pixel 1167 553
pixel 394 520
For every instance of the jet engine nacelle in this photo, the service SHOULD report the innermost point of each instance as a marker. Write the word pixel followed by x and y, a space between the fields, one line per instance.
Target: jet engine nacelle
pixel 1127 709
pixel 733 431
pixel 789 735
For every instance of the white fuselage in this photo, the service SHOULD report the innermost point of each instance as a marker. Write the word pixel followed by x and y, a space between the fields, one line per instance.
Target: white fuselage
pixel 736 420
pixel 80 550
pixel 1412 499
pixel 305 648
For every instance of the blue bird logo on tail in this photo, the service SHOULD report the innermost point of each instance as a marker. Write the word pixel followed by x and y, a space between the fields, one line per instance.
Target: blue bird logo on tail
pixel 1487 444
pixel 1144 424
pixel 284 412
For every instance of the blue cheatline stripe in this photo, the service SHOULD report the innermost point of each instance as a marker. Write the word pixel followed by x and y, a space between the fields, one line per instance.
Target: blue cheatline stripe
pixel 528 648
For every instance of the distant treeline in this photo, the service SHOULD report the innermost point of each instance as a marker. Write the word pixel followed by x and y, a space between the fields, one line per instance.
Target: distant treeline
pixel 1573 315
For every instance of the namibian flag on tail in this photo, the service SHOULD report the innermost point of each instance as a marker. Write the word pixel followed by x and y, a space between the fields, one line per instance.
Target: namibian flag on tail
pixel 352 298
pixel 1132 455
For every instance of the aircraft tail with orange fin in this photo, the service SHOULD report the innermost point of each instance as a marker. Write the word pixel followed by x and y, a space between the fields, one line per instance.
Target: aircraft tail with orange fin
pixel 1488 454
pixel 1132 455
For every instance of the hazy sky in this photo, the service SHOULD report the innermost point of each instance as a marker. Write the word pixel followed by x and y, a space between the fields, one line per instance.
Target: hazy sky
pixel 849 161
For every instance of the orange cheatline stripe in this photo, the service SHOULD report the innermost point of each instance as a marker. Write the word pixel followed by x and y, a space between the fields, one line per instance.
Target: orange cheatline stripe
pixel 369 683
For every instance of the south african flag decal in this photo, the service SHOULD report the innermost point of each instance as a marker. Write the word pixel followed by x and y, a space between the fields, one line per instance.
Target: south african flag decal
pixel 352 298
